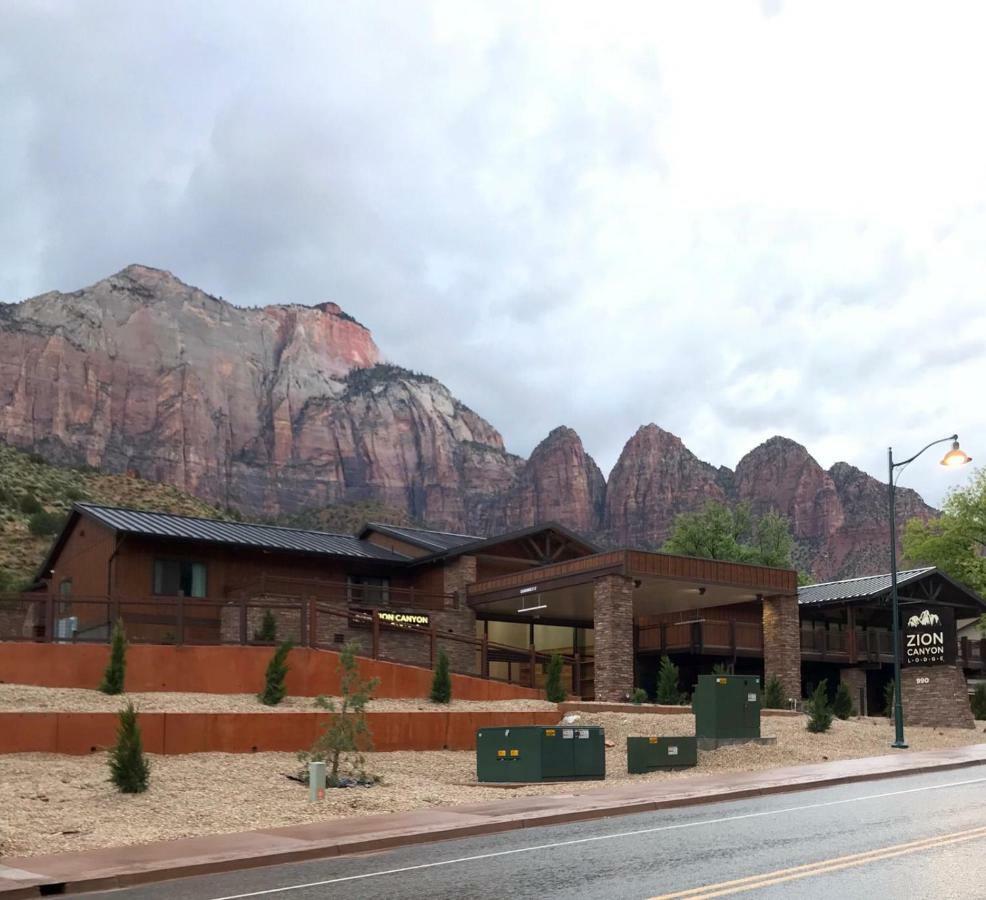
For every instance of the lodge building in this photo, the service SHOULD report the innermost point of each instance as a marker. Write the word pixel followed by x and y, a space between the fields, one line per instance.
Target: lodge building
pixel 498 606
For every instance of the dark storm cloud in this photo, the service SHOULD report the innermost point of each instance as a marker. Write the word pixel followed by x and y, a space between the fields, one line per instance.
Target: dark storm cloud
pixel 567 214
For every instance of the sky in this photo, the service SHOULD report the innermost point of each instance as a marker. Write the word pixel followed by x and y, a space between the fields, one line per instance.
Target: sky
pixel 734 219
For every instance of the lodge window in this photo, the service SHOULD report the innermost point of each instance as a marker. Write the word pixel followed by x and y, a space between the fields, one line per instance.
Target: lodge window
pixel 368 589
pixel 179 576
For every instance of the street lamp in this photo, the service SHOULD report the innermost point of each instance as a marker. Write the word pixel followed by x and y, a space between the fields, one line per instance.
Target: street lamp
pixel 953 459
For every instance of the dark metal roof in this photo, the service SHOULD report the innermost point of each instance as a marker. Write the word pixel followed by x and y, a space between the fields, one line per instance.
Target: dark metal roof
pixel 857 588
pixel 240 534
pixel 433 541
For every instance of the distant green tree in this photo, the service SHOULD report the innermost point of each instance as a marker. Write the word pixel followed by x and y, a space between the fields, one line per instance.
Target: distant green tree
pixel 979 702
pixel 819 711
pixel 732 534
pixel 267 633
pixel 955 542
pixel 274 689
pixel 116 668
pixel 129 769
pixel 667 683
pixel 553 688
pixel 773 694
pixel 441 682
pixel 29 505
pixel 842 705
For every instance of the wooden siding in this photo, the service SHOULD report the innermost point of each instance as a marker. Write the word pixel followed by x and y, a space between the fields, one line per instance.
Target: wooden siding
pixel 712 571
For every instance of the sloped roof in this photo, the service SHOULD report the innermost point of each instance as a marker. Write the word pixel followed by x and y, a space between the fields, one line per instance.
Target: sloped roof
pixel 476 544
pixel 432 541
pixel 857 588
pixel 241 534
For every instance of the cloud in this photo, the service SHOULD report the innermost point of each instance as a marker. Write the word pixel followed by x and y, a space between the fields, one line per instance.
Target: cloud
pixel 734 220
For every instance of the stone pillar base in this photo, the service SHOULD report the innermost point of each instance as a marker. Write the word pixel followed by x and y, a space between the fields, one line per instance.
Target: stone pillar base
pixel 936 696
pixel 613 633
pixel 782 644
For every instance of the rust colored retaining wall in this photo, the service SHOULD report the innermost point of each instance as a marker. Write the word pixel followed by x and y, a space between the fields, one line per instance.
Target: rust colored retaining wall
pixel 174 733
pixel 227 670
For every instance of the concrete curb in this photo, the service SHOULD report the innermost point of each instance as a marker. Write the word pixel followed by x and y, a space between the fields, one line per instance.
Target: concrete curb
pixel 127 866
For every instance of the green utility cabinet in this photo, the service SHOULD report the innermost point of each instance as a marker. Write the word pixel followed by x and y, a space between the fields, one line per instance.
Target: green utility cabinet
pixel 536 753
pixel 645 754
pixel 727 707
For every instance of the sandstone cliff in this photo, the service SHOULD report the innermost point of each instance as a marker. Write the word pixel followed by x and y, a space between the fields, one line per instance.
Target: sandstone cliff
pixel 288 408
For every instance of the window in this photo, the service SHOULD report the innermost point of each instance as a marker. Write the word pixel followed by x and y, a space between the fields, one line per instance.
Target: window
pixel 178 576
pixel 65 588
pixel 368 589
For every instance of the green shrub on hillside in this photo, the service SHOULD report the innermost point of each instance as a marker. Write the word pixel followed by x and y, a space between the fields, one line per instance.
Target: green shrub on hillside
pixel 44 524
pixel 29 505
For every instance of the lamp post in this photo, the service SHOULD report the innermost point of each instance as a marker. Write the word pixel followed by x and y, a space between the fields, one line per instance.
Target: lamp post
pixel 954 458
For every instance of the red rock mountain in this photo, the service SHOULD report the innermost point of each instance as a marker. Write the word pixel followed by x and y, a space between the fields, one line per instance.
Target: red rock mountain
pixel 283 408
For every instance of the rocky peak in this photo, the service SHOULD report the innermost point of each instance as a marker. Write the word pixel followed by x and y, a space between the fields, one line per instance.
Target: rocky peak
pixel 655 478
pixel 560 482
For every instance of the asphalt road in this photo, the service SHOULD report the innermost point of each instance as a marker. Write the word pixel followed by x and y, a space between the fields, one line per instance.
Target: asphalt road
pixel 919 836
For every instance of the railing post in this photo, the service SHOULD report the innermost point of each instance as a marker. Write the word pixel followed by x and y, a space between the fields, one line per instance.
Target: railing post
pixel 664 637
pixel 49 618
pixel 577 676
pixel 732 638
pixel 375 636
pixel 484 658
pixel 180 621
pixel 303 620
pixel 432 644
pixel 243 621
pixel 312 622
pixel 964 651
pixel 533 663
pixel 982 654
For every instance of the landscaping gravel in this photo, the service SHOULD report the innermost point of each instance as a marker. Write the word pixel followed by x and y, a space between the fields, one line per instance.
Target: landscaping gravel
pixel 28 698
pixel 62 803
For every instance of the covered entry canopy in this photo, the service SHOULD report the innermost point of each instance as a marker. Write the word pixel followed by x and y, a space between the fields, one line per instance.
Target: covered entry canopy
pixel 662 584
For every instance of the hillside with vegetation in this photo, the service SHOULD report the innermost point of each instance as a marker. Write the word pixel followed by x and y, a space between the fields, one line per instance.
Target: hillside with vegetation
pixel 35 498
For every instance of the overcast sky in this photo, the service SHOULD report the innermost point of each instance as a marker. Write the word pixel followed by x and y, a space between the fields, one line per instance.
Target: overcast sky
pixel 732 219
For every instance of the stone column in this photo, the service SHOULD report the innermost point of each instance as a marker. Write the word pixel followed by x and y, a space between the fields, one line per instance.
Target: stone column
pixel 937 696
pixel 782 643
pixel 457 574
pixel 613 632
pixel 855 680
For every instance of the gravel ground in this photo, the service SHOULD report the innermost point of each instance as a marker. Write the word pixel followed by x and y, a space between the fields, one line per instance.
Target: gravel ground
pixel 62 803
pixel 28 698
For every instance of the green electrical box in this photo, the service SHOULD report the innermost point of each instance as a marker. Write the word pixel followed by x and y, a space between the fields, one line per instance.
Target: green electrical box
pixel 536 753
pixel 645 754
pixel 727 707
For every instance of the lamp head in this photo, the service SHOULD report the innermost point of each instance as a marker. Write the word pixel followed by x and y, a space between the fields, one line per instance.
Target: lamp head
pixel 956 456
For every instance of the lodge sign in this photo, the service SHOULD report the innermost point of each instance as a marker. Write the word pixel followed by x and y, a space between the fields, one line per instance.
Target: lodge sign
pixel 388 618
pixel 929 638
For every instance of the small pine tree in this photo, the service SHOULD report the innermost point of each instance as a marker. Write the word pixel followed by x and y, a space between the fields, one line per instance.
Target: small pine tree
pixel 129 769
pixel 115 673
pixel 888 699
pixel 274 690
pixel 667 683
pixel 347 736
pixel 267 633
pixel 773 695
pixel 639 696
pixel 979 702
pixel 553 689
pixel 820 714
pixel 441 683
pixel 842 705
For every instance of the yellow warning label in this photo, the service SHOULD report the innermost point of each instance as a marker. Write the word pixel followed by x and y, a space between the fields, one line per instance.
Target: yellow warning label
pixel 653 740
pixel 722 681
pixel 549 732
pixel 515 752
pixel 501 752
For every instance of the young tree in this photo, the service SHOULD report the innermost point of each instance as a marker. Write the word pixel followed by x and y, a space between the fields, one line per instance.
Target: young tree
pixel 267 633
pixel 116 668
pixel 819 712
pixel 274 690
pixel 979 702
pixel 347 736
pixel 129 769
pixel 441 682
pixel 773 694
pixel 888 699
pixel 842 705
pixel 667 683
pixel 639 696
pixel 553 688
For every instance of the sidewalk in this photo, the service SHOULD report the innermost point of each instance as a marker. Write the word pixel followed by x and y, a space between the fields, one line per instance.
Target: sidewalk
pixel 117 867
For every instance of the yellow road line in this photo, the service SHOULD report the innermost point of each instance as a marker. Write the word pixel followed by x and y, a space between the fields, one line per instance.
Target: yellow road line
pixel 779 876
